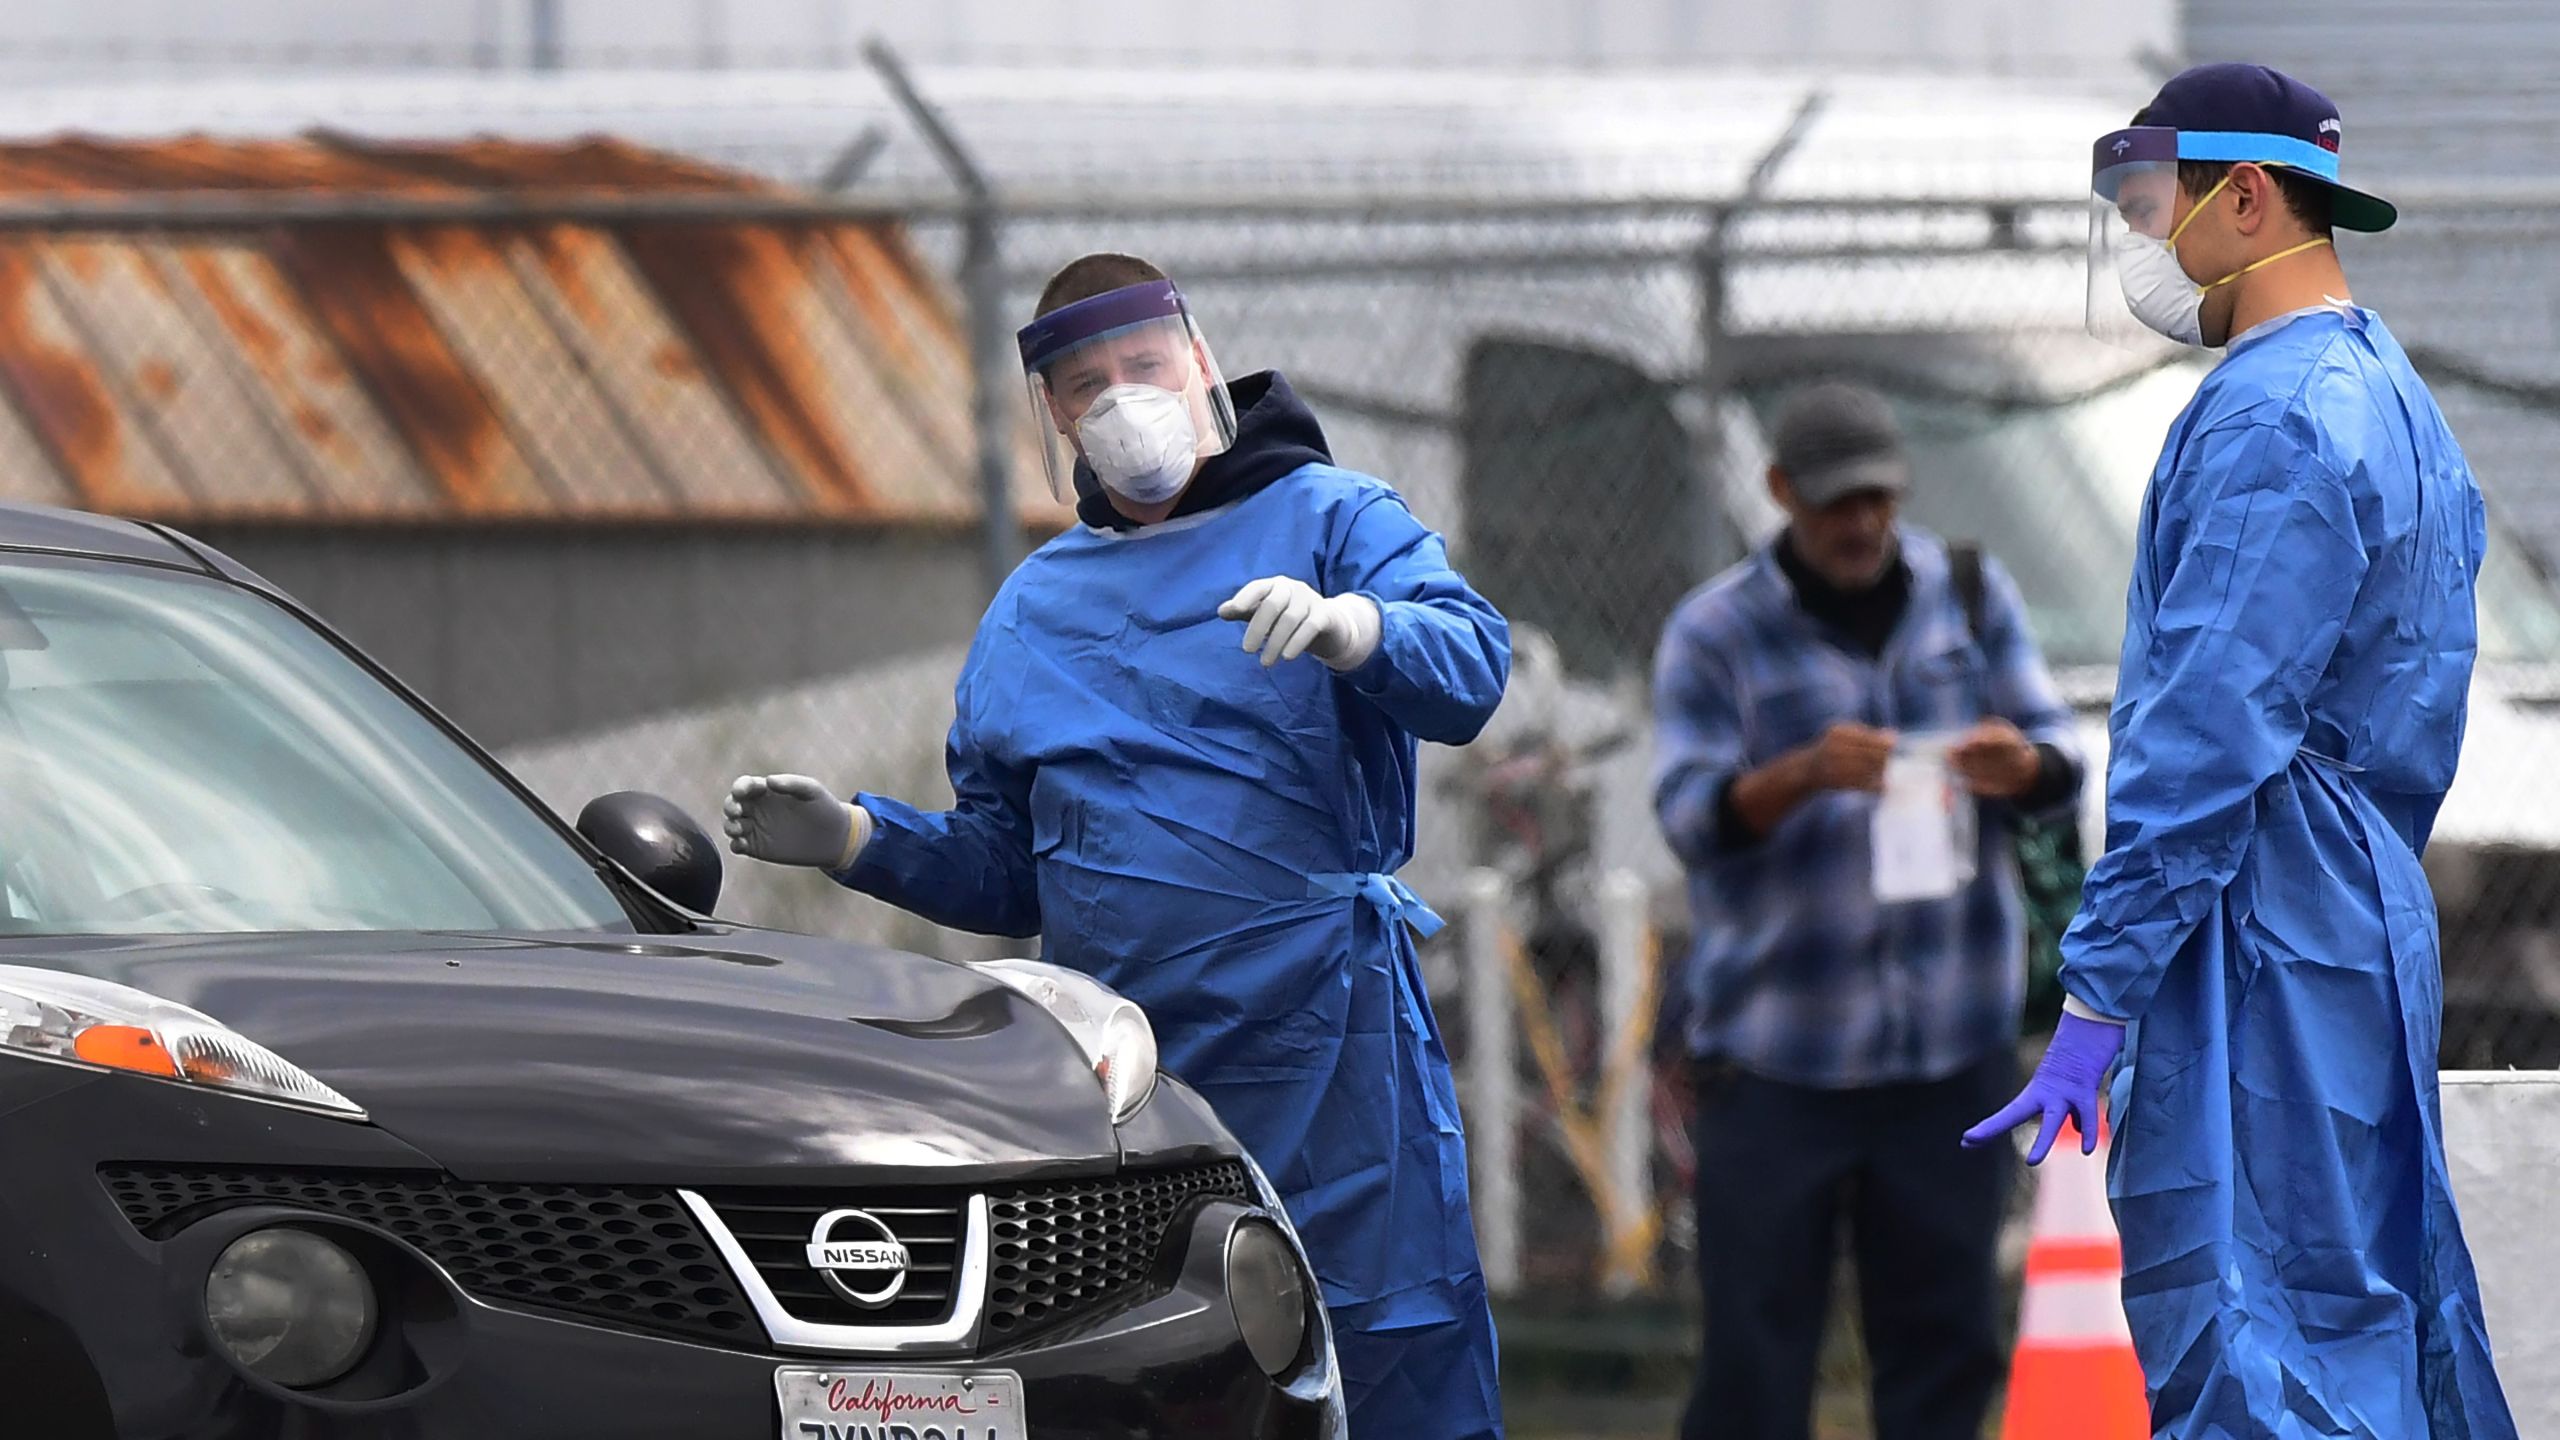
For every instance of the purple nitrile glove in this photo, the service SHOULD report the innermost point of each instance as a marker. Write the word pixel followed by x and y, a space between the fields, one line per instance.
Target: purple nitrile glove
pixel 2065 1084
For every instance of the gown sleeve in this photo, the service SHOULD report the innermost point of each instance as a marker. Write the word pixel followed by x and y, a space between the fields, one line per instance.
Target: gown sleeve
pixel 2254 560
pixel 1444 652
pixel 968 867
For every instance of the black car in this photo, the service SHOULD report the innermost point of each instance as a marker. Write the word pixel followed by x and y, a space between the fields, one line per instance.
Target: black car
pixel 346 1092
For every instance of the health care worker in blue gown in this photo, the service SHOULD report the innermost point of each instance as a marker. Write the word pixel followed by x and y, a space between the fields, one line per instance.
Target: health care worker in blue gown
pixel 1184 757
pixel 2258 938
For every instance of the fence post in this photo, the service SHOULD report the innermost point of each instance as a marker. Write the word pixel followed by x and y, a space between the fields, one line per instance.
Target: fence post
pixel 1626 990
pixel 993 359
pixel 1711 264
pixel 1492 1082
pixel 542 19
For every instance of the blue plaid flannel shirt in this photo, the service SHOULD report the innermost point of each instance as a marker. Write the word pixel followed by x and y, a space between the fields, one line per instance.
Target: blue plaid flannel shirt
pixel 1798 974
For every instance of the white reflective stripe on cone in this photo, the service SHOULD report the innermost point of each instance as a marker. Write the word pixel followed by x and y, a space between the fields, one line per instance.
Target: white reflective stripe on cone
pixel 2080 1311
pixel 2071 1196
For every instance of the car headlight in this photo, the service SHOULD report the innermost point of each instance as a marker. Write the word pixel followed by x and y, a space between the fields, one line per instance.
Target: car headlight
pixel 1267 1290
pixel 1111 1029
pixel 291 1307
pixel 77 1020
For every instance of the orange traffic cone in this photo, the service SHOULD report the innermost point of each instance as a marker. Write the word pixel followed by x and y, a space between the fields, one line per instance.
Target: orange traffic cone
pixel 2075 1376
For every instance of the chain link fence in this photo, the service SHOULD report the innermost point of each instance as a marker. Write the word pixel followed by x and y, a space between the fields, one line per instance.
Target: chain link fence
pixel 1575 393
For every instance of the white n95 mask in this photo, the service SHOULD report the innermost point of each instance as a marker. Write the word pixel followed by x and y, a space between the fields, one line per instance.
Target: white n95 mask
pixel 2157 290
pixel 1141 442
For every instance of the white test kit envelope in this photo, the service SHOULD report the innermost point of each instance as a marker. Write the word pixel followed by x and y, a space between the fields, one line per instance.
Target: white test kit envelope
pixel 1924 827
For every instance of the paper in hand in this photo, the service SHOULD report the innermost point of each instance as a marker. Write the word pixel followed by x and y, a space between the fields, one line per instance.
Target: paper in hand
pixel 1923 832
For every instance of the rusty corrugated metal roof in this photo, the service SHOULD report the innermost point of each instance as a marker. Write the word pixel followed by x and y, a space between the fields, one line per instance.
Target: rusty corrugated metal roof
pixel 328 370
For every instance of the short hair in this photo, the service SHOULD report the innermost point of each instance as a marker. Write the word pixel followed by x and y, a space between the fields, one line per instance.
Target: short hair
pixel 2306 198
pixel 1091 275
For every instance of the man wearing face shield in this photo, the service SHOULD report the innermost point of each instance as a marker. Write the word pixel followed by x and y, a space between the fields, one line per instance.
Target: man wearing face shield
pixel 2259 939
pixel 1184 756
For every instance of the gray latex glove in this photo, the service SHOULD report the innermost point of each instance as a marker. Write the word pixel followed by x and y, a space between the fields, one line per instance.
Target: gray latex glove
pixel 793 820
pixel 1286 618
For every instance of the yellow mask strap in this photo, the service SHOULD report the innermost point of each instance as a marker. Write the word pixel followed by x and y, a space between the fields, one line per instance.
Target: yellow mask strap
pixel 2198 209
pixel 2172 241
pixel 2270 260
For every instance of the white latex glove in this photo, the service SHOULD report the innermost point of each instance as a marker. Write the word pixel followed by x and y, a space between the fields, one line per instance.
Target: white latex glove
pixel 793 820
pixel 1286 618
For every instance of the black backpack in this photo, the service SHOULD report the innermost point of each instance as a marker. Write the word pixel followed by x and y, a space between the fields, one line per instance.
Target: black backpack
pixel 2050 860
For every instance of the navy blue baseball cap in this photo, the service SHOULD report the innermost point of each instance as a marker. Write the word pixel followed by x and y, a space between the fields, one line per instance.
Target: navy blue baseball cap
pixel 2240 112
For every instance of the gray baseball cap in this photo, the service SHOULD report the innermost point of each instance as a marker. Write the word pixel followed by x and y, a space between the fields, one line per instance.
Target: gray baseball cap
pixel 1835 440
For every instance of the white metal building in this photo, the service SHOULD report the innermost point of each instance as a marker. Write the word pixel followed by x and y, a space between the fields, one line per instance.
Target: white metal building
pixel 49 39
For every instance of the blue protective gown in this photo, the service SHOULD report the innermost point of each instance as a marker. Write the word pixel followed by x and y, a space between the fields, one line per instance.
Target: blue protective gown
pixel 1216 840
pixel 2298 650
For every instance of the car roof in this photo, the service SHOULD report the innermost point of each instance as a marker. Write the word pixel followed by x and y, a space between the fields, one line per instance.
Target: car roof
pixel 78 532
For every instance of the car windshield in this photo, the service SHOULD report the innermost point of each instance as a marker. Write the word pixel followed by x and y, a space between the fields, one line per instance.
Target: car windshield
pixel 180 755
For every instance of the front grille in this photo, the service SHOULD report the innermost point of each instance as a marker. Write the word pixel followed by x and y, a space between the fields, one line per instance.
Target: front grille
pixel 1061 1252
pixel 774 1226
pixel 608 1252
pixel 1082 1249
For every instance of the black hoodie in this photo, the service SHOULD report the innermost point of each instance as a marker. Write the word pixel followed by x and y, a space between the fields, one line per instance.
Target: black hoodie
pixel 1275 435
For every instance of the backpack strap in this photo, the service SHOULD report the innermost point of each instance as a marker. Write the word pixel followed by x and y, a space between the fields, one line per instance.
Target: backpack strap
pixel 1964 571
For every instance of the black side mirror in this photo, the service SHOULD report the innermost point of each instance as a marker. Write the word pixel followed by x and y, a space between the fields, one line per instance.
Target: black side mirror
pixel 658 843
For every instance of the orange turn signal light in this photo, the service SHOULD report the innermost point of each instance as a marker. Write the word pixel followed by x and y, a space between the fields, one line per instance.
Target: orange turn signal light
pixel 125 1047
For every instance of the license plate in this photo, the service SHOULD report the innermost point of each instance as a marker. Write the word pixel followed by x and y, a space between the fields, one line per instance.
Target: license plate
pixel 899 1404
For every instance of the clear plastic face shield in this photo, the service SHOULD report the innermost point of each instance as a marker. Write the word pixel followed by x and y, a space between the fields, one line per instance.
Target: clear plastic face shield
pixel 2138 293
pixel 1124 382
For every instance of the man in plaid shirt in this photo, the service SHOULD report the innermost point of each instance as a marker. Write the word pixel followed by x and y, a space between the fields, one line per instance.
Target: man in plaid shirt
pixel 1841 1045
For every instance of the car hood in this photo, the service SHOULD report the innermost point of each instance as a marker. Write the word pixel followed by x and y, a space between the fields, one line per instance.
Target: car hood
pixel 708 1059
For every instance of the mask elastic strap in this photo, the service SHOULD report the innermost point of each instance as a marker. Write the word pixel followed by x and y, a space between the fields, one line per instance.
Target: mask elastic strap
pixel 2270 260
pixel 2198 209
